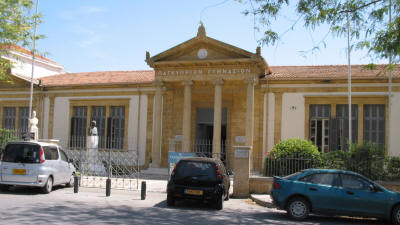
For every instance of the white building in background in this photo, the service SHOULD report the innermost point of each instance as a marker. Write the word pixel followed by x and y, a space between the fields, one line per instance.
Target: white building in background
pixel 22 64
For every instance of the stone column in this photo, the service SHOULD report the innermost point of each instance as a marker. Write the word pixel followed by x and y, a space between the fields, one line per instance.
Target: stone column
pixel 157 136
pixel 217 118
pixel 250 110
pixel 187 111
pixel 250 116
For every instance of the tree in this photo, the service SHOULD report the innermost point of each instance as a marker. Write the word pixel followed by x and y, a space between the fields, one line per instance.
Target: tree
pixel 368 18
pixel 16 23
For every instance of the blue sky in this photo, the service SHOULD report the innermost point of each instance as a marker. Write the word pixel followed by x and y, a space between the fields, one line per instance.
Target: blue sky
pixel 101 35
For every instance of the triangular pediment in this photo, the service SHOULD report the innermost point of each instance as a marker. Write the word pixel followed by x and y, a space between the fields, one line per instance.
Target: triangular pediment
pixel 203 50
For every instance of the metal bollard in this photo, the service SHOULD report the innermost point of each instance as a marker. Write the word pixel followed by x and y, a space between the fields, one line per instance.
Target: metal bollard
pixel 143 191
pixel 108 187
pixel 76 184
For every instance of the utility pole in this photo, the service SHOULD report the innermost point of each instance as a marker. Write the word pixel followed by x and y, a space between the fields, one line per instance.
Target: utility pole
pixel 390 80
pixel 33 59
pixel 349 71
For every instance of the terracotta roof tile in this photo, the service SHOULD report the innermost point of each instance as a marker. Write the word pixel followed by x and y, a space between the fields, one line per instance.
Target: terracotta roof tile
pixel 27 52
pixel 99 78
pixel 328 72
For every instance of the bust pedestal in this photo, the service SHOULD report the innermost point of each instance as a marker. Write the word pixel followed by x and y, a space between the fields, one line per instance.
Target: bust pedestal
pixel 94 166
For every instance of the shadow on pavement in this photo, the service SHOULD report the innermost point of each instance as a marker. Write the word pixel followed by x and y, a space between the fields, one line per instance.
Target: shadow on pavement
pixel 18 190
pixel 185 212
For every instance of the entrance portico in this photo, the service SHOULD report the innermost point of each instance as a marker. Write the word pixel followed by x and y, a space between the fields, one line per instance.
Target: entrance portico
pixel 204 73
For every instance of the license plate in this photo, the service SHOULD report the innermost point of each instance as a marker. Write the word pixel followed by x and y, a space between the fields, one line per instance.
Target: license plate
pixel 193 192
pixel 19 171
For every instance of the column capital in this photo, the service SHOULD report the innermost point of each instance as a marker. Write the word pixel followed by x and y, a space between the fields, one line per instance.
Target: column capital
pixel 251 81
pixel 187 82
pixel 158 83
pixel 218 81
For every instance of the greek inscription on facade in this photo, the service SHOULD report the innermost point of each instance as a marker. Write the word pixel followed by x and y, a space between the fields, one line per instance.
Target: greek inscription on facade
pixel 212 71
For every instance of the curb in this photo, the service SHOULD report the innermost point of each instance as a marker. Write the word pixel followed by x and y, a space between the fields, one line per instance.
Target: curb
pixel 262 202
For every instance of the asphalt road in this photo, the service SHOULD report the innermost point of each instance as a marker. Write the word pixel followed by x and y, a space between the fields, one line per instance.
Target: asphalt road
pixel 90 206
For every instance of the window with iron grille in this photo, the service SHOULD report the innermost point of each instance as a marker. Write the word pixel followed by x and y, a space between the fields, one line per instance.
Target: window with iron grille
pixel 374 123
pixel 23 122
pixel 78 127
pixel 16 119
pixel 99 115
pixel 116 127
pixel 110 123
pixel 319 125
pixel 9 117
pixel 342 114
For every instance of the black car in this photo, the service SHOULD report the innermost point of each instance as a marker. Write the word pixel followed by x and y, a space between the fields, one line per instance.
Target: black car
pixel 198 178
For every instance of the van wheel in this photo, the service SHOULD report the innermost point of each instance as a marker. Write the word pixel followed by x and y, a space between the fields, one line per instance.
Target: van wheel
pixel 298 208
pixel 219 202
pixel 48 186
pixel 170 200
pixel 70 182
pixel 396 215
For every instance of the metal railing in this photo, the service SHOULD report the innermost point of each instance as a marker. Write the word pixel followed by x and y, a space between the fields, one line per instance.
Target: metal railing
pixel 202 148
pixel 382 168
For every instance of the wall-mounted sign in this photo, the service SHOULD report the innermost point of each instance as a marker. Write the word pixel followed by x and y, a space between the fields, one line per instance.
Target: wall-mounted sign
pixel 207 71
pixel 240 139
pixel 178 137
pixel 241 153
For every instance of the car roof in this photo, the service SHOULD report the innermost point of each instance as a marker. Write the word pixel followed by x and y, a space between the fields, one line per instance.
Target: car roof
pixel 33 142
pixel 330 171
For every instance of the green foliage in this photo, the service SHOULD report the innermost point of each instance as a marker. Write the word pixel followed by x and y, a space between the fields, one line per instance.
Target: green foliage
pixel 295 147
pixel 335 160
pixel 368 21
pixel 290 156
pixel 393 168
pixel 16 28
pixel 367 159
pixel 6 136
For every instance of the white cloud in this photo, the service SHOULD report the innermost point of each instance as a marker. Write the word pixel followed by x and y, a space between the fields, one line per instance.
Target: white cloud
pixel 84 10
pixel 79 29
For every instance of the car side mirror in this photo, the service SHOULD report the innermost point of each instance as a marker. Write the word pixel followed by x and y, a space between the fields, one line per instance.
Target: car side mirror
pixel 70 160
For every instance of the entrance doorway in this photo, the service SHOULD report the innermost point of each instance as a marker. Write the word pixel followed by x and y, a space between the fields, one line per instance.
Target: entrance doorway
pixel 205 131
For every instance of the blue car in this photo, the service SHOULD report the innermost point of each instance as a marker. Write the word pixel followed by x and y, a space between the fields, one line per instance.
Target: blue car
pixel 334 192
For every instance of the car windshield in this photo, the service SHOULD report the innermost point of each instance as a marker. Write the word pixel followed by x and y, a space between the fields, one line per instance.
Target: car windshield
pixel 200 170
pixel 21 153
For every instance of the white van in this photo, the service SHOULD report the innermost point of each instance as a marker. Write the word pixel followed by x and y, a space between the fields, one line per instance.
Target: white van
pixel 36 164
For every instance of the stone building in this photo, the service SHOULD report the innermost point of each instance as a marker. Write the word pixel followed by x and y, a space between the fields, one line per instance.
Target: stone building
pixel 206 96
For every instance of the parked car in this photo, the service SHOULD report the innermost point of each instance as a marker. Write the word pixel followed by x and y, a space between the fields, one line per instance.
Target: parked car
pixel 335 192
pixel 199 178
pixel 35 164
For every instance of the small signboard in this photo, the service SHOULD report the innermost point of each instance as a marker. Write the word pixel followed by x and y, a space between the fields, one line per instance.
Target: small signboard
pixel 240 139
pixel 240 153
pixel 174 157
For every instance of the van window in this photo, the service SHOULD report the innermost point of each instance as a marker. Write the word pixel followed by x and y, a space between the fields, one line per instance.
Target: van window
pixel 63 156
pixel 50 152
pixel 21 153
